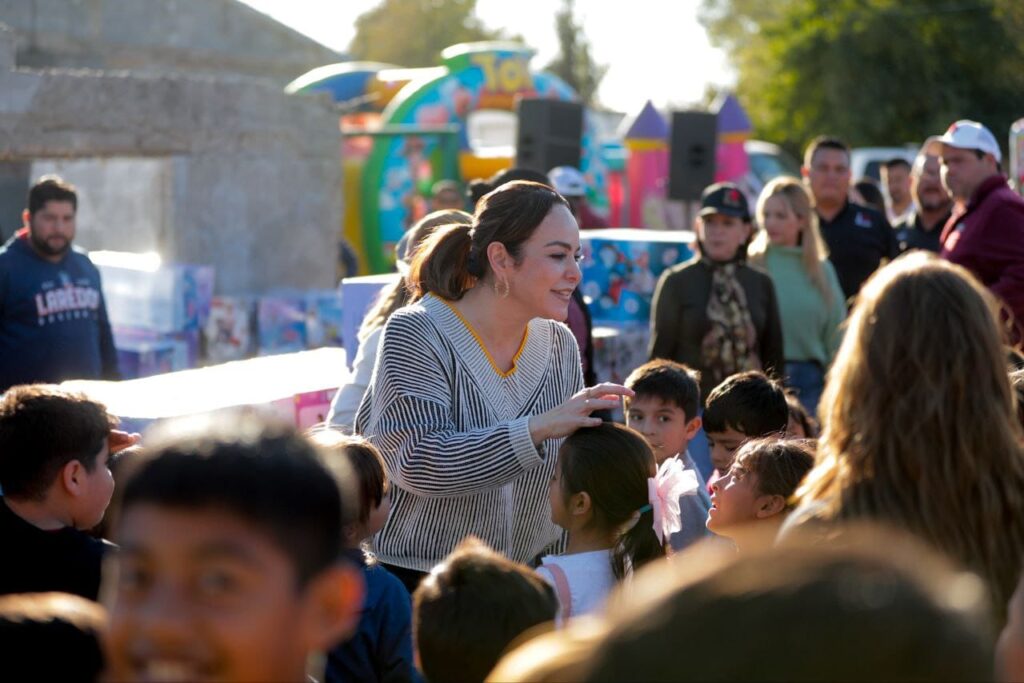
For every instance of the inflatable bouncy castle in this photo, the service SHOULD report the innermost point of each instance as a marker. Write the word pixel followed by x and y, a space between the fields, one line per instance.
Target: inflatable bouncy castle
pixel 404 129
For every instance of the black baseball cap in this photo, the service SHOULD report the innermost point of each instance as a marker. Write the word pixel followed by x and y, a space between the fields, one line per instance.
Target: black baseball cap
pixel 724 198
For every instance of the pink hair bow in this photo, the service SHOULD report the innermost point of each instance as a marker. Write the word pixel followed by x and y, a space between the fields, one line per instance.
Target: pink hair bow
pixel 664 490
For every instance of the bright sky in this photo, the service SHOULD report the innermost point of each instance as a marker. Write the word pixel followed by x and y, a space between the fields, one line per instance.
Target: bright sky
pixel 655 49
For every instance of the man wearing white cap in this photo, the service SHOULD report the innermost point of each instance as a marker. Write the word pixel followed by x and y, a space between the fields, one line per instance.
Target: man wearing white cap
pixel 571 184
pixel 985 234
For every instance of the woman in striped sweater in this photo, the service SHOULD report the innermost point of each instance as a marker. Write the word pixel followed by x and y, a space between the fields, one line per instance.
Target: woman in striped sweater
pixel 476 384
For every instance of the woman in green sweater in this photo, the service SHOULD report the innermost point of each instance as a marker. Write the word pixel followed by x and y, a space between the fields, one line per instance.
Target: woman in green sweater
pixel 811 305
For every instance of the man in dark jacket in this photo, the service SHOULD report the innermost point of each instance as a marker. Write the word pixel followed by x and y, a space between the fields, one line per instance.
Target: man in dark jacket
pixel 53 319
pixel 985 234
pixel 859 239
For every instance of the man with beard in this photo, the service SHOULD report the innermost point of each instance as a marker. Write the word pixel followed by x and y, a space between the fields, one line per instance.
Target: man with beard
pixel 53 320
pixel 922 227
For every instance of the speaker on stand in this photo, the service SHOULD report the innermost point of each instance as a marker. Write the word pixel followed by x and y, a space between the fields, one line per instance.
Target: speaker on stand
pixel 692 152
pixel 550 134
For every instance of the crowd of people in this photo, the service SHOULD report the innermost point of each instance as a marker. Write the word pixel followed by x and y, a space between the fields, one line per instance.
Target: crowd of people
pixel 819 474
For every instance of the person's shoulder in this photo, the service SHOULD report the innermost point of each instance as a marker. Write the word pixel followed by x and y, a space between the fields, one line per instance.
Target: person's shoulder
pixel 12 248
pixel 384 584
pixel 415 318
pixel 683 270
pixel 385 593
pixel 1007 200
pixel 866 217
pixel 754 273
pixel 905 222
pixel 829 270
pixel 555 330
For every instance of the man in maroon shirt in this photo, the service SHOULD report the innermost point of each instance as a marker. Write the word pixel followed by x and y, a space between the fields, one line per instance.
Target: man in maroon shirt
pixel 985 234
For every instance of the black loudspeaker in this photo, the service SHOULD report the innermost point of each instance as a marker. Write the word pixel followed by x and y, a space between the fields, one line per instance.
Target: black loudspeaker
pixel 550 133
pixel 692 154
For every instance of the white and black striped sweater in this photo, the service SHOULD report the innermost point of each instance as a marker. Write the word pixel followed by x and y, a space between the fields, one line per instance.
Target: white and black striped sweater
pixel 455 437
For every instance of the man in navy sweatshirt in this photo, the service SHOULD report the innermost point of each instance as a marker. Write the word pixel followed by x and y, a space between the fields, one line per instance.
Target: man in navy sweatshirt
pixel 985 234
pixel 53 320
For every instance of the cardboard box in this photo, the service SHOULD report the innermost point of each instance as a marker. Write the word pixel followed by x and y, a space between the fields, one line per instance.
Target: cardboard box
pixel 621 267
pixel 357 296
pixel 142 292
pixel 229 333
pixel 281 321
pixel 619 350
pixel 325 318
pixel 140 358
pixel 185 345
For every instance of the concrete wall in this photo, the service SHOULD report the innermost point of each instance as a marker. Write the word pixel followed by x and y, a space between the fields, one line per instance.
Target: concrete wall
pixel 160 36
pixel 251 177
pixel 124 204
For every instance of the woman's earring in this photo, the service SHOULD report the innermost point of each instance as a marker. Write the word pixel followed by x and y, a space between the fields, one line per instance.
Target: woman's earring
pixel 502 288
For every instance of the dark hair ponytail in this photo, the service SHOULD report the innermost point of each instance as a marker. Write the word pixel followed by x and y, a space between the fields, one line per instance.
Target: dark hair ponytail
pixel 440 266
pixel 454 258
pixel 639 545
pixel 612 463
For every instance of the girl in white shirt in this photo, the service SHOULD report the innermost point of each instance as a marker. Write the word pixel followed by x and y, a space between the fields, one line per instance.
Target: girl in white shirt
pixel 617 508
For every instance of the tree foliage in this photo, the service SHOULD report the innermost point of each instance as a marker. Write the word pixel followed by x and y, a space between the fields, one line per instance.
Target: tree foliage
pixel 412 33
pixel 874 72
pixel 574 63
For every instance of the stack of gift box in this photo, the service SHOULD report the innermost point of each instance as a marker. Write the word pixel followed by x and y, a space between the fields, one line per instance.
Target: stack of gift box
pixel 620 268
pixel 165 318
pixel 156 310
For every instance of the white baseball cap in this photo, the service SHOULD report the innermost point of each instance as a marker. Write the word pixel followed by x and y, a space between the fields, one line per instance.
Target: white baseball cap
pixel 568 181
pixel 965 134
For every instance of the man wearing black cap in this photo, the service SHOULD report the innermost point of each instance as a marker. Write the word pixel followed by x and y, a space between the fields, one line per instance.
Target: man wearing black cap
pixel 859 239
pixel 715 313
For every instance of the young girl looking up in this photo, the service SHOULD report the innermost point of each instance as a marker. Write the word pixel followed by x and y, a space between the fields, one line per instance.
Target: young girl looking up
pixel 607 493
pixel 749 504
pixel 381 648
pixel 811 304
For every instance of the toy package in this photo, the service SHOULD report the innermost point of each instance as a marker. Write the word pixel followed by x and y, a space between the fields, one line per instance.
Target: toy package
pixel 621 267
pixel 142 292
pixel 228 333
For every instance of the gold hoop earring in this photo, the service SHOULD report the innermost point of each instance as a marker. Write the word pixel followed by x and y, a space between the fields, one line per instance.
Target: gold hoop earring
pixel 502 293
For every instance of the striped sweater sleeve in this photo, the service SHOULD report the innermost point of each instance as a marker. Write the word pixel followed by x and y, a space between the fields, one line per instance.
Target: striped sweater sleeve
pixel 411 420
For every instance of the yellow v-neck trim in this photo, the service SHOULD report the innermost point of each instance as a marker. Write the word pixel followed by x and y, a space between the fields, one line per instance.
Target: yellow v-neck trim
pixel 480 343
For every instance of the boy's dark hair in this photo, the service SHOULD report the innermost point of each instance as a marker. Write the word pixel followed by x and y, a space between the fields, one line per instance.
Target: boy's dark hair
pixel 779 464
pixel 262 471
pixel 51 188
pixel 43 428
pixel 479 187
pixel 365 463
pixel 824 142
pixel 51 637
pixel 798 412
pixel 471 607
pixel 669 381
pixel 871 192
pixel 881 607
pixel 896 162
pixel 612 463
pixel 749 402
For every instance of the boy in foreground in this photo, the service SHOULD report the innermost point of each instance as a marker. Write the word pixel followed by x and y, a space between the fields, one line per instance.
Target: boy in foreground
pixel 230 566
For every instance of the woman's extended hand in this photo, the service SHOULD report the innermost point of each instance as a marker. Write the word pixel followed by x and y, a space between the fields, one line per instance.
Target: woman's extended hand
pixel 574 413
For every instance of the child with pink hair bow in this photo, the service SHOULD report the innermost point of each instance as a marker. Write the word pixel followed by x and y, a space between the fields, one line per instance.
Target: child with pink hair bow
pixel 617 508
